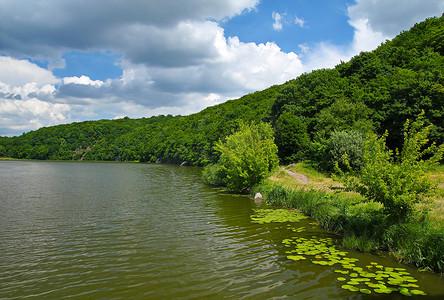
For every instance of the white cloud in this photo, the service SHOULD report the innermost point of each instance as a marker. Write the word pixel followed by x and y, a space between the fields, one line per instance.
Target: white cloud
pixel 365 38
pixel 277 25
pixel 373 21
pixel 83 80
pixel 389 18
pixel 23 115
pixel 20 72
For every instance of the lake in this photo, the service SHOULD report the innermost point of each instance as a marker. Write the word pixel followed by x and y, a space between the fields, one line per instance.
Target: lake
pixel 149 231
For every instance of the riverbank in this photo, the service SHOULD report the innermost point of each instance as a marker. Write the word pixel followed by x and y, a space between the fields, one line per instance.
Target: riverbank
pixel 363 225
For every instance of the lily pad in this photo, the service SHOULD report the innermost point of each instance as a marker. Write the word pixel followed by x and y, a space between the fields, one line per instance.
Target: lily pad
pixel 296 257
pixel 405 292
pixel 365 291
pixel 262 216
pixel 341 279
pixel 417 292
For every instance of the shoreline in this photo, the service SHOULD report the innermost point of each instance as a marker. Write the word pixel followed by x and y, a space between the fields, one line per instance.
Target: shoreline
pixel 362 224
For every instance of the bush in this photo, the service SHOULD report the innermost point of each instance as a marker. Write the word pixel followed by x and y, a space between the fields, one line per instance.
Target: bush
pixel 214 175
pixel 346 143
pixel 398 180
pixel 247 156
pixel 418 244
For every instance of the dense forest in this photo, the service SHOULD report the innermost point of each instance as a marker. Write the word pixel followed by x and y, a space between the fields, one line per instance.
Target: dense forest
pixel 373 92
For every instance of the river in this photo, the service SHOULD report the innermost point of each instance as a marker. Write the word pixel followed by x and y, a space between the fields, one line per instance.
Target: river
pixel 148 231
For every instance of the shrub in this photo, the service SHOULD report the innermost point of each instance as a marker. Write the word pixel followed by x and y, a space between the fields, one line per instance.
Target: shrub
pixel 346 143
pixel 214 175
pixel 248 156
pixel 398 180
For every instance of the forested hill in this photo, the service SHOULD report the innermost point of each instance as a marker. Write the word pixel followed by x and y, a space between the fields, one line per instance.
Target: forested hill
pixel 375 91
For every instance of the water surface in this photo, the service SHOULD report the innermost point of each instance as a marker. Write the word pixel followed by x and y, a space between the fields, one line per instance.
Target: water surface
pixel 143 231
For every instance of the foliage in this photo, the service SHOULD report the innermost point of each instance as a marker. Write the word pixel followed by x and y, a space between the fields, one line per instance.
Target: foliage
pixel 363 225
pixel 421 245
pixel 349 144
pixel 214 174
pixel 248 155
pixel 374 91
pixel 291 137
pixel 398 180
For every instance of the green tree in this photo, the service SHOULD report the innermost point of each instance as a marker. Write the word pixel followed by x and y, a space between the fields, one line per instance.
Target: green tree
pixel 291 137
pixel 248 156
pixel 398 179
pixel 346 143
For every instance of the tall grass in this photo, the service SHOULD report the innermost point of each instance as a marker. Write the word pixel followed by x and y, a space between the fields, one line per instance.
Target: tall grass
pixel 364 225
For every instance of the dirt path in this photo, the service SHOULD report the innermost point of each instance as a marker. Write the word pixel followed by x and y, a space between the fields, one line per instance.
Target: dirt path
pixel 301 178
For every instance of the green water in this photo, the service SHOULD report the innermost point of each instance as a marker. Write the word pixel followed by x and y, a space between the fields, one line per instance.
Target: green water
pixel 139 231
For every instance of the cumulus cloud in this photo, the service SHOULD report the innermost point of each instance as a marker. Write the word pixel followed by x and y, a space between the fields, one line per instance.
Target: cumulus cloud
pixel 30 114
pixel 389 18
pixel 20 72
pixel 27 97
pixel 83 80
pixel 48 28
pixel 373 21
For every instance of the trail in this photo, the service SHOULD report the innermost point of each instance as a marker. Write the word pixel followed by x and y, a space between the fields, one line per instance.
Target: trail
pixel 301 178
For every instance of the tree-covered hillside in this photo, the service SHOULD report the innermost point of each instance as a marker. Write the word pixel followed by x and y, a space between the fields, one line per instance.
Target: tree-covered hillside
pixel 374 92
pixel 162 138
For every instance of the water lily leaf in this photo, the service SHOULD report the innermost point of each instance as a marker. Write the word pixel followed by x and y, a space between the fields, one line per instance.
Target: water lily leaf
pixel 362 279
pixel 365 291
pixel 341 279
pixel 296 257
pixel 417 292
pixel 405 292
pixel 404 273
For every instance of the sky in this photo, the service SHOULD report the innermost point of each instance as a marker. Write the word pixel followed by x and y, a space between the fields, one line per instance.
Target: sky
pixel 64 61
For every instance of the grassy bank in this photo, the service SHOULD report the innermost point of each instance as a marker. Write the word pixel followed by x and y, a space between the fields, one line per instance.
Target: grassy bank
pixel 364 226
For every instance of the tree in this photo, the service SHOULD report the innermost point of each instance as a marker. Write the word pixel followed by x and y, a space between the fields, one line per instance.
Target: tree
pixel 398 179
pixel 346 143
pixel 291 137
pixel 247 156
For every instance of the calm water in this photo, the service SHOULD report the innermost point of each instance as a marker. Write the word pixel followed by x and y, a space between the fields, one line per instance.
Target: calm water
pixel 115 230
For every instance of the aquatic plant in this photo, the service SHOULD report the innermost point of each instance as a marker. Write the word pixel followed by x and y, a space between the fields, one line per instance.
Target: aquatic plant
pixel 364 226
pixel 262 216
pixel 373 278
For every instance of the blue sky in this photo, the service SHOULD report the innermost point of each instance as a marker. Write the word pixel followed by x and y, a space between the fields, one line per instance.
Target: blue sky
pixel 63 61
